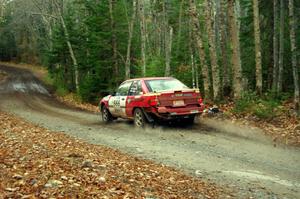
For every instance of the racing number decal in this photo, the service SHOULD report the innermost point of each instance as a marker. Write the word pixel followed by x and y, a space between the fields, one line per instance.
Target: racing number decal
pixel 116 104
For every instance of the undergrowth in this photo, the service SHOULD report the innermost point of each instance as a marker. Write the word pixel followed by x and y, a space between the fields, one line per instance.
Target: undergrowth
pixel 266 106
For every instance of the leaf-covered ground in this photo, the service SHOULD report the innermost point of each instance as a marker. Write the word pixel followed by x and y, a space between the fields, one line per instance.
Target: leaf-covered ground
pixel 38 163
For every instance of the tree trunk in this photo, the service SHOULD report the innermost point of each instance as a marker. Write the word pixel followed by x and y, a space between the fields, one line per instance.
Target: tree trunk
pixel 235 58
pixel 275 46
pixel 212 51
pixel 257 47
pixel 281 46
pixel 216 16
pixel 130 34
pixel 201 51
pixel 113 38
pixel 292 23
pixel 191 50
pixel 143 35
pixel 168 52
pixel 72 55
pixel 179 27
pixel 1 9
pixel 59 6
pixel 223 44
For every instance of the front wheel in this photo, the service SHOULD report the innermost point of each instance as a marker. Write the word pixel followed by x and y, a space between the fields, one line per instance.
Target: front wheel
pixel 139 118
pixel 106 115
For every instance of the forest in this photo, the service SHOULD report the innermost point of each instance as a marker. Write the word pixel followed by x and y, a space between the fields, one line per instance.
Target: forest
pixel 229 49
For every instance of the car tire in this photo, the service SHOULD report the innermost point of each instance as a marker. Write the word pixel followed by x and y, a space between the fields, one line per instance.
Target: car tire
pixel 139 118
pixel 106 115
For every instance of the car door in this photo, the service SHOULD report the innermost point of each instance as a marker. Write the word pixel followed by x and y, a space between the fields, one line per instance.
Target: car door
pixel 134 97
pixel 118 102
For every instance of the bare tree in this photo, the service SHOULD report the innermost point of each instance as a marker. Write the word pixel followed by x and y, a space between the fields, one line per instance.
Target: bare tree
pixel 223 46
pixel 168 38
pixel 143 34
pixel 192 54
pixel 275 45
pixel 235 42
pixel 292 23
pixel 168 51
pixel 281 46
pixel 179 26
pixel 114 37
pixel 59 8
pixel 201 51
pixel 46 12
pixel 2 2
pixel 212 50
pixel 257 48
pixel 130 34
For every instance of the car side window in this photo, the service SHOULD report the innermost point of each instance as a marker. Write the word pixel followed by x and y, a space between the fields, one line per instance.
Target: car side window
pixel 123 89
pixel 135 89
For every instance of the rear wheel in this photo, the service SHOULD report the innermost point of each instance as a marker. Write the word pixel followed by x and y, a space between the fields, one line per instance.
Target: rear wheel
pixel 106 115
pixel 139 118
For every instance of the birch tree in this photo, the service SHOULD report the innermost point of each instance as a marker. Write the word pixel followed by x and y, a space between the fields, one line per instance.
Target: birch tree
pixel 194 68
pixel 275 45
pixel 130 34
pixel 292 23
pixel 223 46
pixel 181 12
pixel 168 38
pixel 67 39
pixel 113 37
pixel 212 50
pixel 199 44
pixel 281 47
pixel 235 42
pixel 1 9
pixel 168 49
pixel 257 47
pixel 143 35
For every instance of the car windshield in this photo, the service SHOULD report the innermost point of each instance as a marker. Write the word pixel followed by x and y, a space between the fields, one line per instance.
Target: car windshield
pixel 157 85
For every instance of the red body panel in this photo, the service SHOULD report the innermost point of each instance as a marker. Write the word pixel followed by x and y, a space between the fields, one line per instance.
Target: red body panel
pixel 165 105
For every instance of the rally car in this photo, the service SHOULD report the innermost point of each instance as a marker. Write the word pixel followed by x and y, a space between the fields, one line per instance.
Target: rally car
pixel 146 100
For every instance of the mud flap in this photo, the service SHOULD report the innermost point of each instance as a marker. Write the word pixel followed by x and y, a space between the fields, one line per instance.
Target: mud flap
pixel 148 117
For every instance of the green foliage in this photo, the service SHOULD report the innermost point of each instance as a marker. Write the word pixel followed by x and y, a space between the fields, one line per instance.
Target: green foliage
pixel 155 67
pixel 61 91
pixel 8 48
pixel 89 91
pixel 90 33
pixel 243 104
pixel 265 107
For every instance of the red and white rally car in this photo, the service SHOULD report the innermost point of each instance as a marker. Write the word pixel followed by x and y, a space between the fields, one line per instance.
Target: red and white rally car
pixel 149 99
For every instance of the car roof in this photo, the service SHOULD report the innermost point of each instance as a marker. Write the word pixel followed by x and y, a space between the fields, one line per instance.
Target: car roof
pixel 149 78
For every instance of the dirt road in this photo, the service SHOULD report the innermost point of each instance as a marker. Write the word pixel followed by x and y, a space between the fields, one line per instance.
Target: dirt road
pixel 237 157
